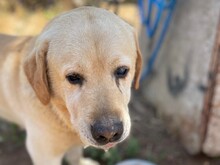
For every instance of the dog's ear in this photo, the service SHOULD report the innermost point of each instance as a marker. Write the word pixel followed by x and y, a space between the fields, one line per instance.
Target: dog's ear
pixel 35 68
pixel 138 65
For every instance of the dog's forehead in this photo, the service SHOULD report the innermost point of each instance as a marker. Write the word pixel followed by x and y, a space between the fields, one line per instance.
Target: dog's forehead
pixel 90 32
pixel 87 16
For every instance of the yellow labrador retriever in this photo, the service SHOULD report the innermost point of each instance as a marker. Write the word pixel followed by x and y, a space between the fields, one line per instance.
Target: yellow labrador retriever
pixel 70 86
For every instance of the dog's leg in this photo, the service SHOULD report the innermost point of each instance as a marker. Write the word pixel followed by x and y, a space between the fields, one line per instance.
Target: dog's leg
pixel 87 161
pixel 40 157
pixel 73 155
pixel 43 149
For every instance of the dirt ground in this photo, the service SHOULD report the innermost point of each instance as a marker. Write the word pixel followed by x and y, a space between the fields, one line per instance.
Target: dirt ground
pixel 156 143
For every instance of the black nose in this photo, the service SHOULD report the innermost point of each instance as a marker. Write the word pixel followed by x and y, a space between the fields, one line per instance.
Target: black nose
pixel 105 132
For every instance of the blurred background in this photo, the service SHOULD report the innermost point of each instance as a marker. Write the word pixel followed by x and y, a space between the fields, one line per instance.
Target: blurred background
pixel 175 113
pixel 28 17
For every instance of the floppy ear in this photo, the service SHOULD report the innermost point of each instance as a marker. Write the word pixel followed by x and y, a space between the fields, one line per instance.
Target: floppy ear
pixel 138 65
pixel 35 68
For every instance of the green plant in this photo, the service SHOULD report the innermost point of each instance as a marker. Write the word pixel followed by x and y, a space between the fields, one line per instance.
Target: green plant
pixel 132 148
pixel 93 153
pixel 112 157
pixel 108 158
pixel 13 134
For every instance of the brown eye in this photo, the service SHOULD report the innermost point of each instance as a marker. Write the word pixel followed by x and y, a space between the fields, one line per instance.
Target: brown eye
pixel 75 79
pixel 121 72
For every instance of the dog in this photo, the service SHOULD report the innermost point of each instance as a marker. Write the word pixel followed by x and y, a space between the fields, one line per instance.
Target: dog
pixel 70 86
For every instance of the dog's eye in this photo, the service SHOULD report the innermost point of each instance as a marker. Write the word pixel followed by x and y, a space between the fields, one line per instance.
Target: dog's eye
pixel 75 79
pixel 121 72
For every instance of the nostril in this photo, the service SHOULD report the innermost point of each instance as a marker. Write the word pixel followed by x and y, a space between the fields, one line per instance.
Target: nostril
pixel 98 133
pixel 115 135
pixel 101 139
pixel 118 132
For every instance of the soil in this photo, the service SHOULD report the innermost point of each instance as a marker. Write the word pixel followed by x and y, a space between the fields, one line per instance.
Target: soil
pixel 156 143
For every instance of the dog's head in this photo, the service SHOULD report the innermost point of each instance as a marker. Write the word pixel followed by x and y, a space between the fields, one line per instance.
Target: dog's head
pixel 83 64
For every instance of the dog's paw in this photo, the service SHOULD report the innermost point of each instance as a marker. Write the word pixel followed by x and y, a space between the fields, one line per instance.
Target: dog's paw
pixel 87 161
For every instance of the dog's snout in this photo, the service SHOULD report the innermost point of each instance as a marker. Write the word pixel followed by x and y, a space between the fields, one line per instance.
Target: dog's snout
pixel 104 133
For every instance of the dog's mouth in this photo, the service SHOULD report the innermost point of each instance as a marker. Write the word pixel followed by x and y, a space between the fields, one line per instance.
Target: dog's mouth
pixel 105 147
pixel 89 139
pixel 108 146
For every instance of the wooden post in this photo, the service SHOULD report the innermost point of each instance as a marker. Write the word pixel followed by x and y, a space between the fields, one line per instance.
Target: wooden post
pixel 210 124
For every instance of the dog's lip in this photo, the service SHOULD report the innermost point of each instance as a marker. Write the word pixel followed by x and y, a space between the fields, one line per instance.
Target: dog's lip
pixel 110 145
pixel 107 146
